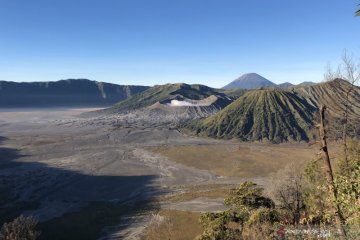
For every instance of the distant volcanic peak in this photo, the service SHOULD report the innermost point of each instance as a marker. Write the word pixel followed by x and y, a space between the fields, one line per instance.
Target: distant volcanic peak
pixel 251 76
pixel 255 75
pixel 306 83
pixel 250 81
pixel 285 85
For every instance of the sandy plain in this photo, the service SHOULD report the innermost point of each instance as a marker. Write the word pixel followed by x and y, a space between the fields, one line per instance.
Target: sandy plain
pixel 104 177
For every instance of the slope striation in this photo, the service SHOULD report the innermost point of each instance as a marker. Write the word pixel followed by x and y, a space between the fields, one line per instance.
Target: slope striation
pixel 71 92
pixel 337 95
pixel 261 115
pixel 333 94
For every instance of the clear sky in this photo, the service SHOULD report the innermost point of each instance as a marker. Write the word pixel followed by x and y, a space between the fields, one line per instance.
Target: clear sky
pixel 149 42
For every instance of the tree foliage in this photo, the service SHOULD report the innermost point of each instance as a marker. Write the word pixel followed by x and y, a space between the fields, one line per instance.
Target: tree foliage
pixel 347 181
pixel 318 207
pixel 301 195
pixel 287 190
pixel 248 195
pixel 248 209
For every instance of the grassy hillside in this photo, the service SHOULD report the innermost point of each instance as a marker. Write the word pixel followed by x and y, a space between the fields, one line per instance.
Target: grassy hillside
pixel 333 95
pixel 234 93
pixel 273 115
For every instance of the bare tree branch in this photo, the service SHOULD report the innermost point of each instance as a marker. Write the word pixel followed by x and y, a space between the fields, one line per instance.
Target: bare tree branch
pixel 329 175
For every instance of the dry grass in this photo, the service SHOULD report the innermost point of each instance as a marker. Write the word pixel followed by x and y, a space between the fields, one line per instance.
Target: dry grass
pixel 212 191
pixel 241 160
pixel 174 225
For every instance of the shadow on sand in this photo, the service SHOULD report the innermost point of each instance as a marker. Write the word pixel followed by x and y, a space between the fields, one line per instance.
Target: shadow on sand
pixel 71 204
pixel 8 155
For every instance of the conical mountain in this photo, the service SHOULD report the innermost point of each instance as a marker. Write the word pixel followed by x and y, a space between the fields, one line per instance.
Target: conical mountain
pixel 285 85
pixel 274 115
pixel 250 81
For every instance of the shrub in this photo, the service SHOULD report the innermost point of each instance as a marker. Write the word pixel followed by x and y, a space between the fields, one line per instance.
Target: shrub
pixel 21 228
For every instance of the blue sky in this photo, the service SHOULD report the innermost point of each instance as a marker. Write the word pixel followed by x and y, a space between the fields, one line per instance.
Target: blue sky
pixel 147 42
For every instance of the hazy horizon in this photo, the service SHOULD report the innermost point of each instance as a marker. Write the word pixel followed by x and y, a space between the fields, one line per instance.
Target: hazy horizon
pixel 146 85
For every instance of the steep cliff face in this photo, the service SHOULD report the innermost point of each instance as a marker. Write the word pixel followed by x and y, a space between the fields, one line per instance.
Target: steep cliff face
pixel 71 92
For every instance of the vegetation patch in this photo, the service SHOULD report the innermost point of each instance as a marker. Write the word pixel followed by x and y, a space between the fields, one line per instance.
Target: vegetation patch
pixel 174 225
pixel 204 191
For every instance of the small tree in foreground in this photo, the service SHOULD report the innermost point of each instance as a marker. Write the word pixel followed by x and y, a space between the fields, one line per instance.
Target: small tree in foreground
pixel 250 215
pixel 21 228
pixel 287 190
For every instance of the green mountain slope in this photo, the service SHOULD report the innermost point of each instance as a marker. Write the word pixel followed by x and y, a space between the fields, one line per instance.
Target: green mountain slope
pixel 234 93
pixel 333 95
pixel 273 115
